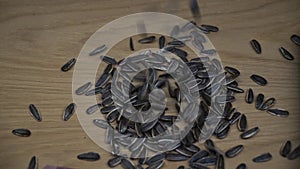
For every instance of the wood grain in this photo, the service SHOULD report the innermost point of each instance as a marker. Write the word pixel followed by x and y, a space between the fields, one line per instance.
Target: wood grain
pixel 38 37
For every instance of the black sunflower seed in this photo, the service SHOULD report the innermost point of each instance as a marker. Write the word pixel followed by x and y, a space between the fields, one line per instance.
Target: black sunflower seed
pixel 221 162
pixel 296 39
pixel 268 104
pixel 278 112
pixel 286 148
pixel 249 96
pixel 83 89
pixel 259 101
pixel 262 158
pixel 176 157
pixel 199 155
pixel 242 124
pixel 102 80
pixel 98 50
pixel 242 166
pixel 286 54
pixel 21 132
pixel 156 165
pixel 234 151
pixel 35 112
pixel 184 151
pixel 259 79
pixel 194 7
pixel 33 164
pixel 198 166
pixel 155 158
pixel 232 70
pixel 69 111
pixel 235 89
pixel 161 42
pixel 114 161
pixel 108 60
pixel 67 66
pixel 131 46
pixel 210 28
pixel 207 161
pixel 176 43
pixel 90 156
pixel 148 39
pixel 294 154
pixel 256 46
pixel 250 133
pixel 234 118
pixel 94 91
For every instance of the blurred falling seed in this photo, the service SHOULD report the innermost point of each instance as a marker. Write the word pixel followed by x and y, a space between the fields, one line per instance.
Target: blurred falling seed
pixel 92 109
pixel 250 133
pixel 210 28
pixel 194 7
pixel 294 154
pixel 131 46
pixel 83 89
pixel 21 132
pixel 90 156
pixel 69 111
pixel 33 164
pixel 286 149
pixel 242 166
pixel 148 39
pixel 35 112
pixel 234 151
pixel 98 50
pixel 242 124
pixel 296 39
pixel 262 158
pixel 286 54
pixel 249 96
pixel 101 123
pixel 259 79
pixel 161 42
pixel 67 66
pixel 256 46
pixel 175 31
pixel 278 112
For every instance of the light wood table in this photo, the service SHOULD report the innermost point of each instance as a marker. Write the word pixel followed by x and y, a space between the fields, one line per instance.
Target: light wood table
pixel 38 37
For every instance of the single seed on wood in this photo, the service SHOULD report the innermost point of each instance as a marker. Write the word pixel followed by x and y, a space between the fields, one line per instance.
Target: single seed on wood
pixel 210 28
pixel 35 112
pixel 234 151
pixel 286 54
pixel 259 79
pixel 259 101
pixel 268 104
pixel 69 111
pixel 262 158
pixel 249 96
pixel 278 112
pixel 33 164
pixel 148 39
pixel 21 132
pixel 242 124
pixel 250 133
pixel 256 46
pixel 296 39
pixel 286 148
pixel 131 44
pixel 294 154
pixel 242 166
pixel 67 66
pixel 90 156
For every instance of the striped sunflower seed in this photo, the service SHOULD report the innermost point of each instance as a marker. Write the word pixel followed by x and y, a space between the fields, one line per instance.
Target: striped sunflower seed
pixel 33 164
pixel 108 60
pixel 259 101
pixel 115 161
pixel 156 165
pixel 262 158
pixel 221 162
pixel 148 39
pixel 176 43
pixel 249 96
pixel 69 111
pixel 259 79
pixel 242 166
pixel 176 157
pixel 278 112
pixel 155 158
pixel 98 50
pixel 232 70
pixel 199 155
pixel 234 151
pixel 131 46
pixel 294 154
pixel 161 42
pixel 296 39
pixel 67 66
pixel 101 123
pixel 35 112
pixel 127 164
pixel 268 104
pixel 210 28
pixel 242 124
pixel 250 133
pixel 208 161
pixel 89 156
pixel 286 148
pixel 286 54
pixel 256 46
pixel 198 166
pixel 83 89
pixel 21 132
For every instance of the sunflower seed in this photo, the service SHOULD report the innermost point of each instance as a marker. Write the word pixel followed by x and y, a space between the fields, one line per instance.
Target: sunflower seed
pixel 109 134
pixel 112 116
pixel 175 31
pixel 155 158
pixel 148 39
pixel 115 161
pixel 98 50
pixel 194 7
pixel 176 157
pixel 268 104
pixel 183 151
pixel 286 54
pixel 94 91
pixel 101 123
pixel 176 43
pixel 108 60
pixel 92 109
pixel 161 42
pixel 67 66
pixel 242 124
pixel 234 151
pixel 156 165
pixel 262 158
pixel 83 89
pixel 198 166
pixel 234 118
pixel 220 162
pixel 131 44
pixel 181 167
pixel 90 156
pixel 193 148
pixel 278 112
pixel 210 28
pixel 208 52
pixel 35 112
pixel 286 148
pixel 256 46
pixel 102 80
pixel 241 166
pixel 207 161
pixel 250 133
pixel 69 111
pixel 33 164
pixel 259 79
pixel 126 164
pixel 224 133
pixel 259 101
pixel 296 39
pixel 199 155
pixel 249 96
pixel 294 154
pixel 21 132
pixel 232 70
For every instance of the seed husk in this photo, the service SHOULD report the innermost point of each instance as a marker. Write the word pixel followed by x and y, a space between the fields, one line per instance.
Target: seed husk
pixel 262 158
pixel 249 96
pixel 259 101
pixel 176 157
pixel 35 112
pixel 210 28
pixel 98 50
pixel 21 132
pixel 296 39
pixel 286 148
pixel 89 156
pixel 286 54
pixel 148 39
pixel 250 133
pixel 114 161
pixel 234 151
pixel 294 154
pixel 67 66
pixel 131 46
pixel 259 79
pixel 242 166
pixel 127 164
pixel 242 124
pixel 278 112
pixel 83 89
pixel 256 46
pixel 33 164
pixel 69 111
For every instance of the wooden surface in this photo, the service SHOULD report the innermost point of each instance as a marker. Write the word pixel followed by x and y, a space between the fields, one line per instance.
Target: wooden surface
pixel 37 37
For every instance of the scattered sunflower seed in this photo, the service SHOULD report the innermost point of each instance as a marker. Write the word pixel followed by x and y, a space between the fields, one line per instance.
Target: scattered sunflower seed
pixel 69 111
pixel 234 151
pixel 294 154
pixel 268 104
pixel 67 66
pixel 296 39
pixel 33 164
pixel 148 39
pixel 250 133
pixel 259 79
pixel 210 28
pixel 259 101
pixel 262 158
pixel 131 44
pixel 242 166
pixel 256 46
pixel 161 42
pixel 242 124
pixel 278 112
pixel 176 157
pixel 126 164
pixel 249 96
pixel 35 112
pixel 286 148
pixel 92 109
pixel 220 162
pixel 115 161
pixel 83 89
pixel 98 50
pixel 21 132
pixel 90 156
pixel 286 54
